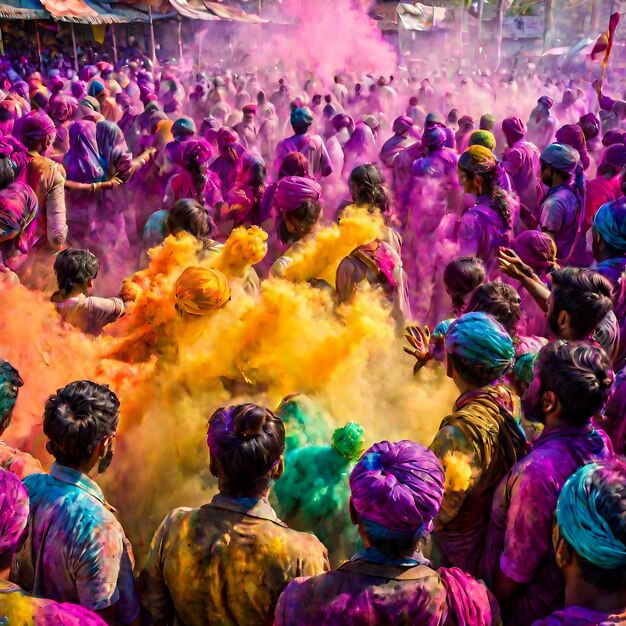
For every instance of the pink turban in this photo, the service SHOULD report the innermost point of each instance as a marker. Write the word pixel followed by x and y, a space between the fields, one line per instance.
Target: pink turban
pixel 546 101
pixel 226 137
pixel 14 507
pixel 615 155
pixel 513 129
pixel 197 150
pixel 398 486
pixel 572 135
pixel 33 127
pixel 293 191
pixel 343 121
pixel 62 107
pixel 402 124
pixel 434 138
pixel 536 249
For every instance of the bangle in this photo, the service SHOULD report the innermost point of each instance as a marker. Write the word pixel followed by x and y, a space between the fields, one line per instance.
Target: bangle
pixel 93 187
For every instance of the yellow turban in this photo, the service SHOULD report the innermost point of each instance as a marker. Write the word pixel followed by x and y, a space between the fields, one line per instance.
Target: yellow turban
pixel 199 290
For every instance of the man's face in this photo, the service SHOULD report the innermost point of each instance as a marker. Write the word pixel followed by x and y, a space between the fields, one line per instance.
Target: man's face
pixel 547 174
pixel 105 461
pixel 532 402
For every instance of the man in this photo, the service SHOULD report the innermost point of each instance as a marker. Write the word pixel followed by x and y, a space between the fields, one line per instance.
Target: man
pixel 482 430
pixel 246 129
pixel 76 549
pixel 570 387
pixel 20 463
pixel 609 240
pixel 312 146
pixel 396 490
pixel 560 210
pixel 590 548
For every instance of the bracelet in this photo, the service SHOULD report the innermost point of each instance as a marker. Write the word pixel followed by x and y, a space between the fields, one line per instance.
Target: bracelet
pixel 93 187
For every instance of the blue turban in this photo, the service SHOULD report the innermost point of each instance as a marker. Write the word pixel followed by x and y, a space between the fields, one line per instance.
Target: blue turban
pixel 561 157
pixel 586 504
pixel 443 327
pixel 301 116
pixel 434 138
pixel 610 222
pixel 481 343
pixel 183 126
pixel 95 88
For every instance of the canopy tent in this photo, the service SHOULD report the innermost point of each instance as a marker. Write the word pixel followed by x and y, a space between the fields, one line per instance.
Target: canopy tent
pixel 214 11
pixel 93 12
pixel 23 10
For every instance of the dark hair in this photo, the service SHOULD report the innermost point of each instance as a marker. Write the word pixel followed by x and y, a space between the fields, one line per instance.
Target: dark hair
pixel 500 300
pixel 462 276
pixel 584 294
pixel 579 374
pixel 500 200
pixel 369 187
pixel 248 441
pixel 7 172
pixel 306 215
pixel 74 267
pixel 77 418
pixel 294 164
pixel 199 179
pixel 191 217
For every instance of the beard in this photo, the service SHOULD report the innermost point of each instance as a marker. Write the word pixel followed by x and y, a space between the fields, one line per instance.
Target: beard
pixel 533 410
pixel 553 323
pixel 105 461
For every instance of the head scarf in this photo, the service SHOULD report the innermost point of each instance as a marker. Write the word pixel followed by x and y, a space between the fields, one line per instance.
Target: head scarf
pixel 201 290
pixel 562 157
pixel 610 222
pixel 513 129
pixel 294 164
pixel 524 368
pixel 226 137
pixel 198 150
pixel 293 191
pixel 90 102
pixel 611 137
pixel 481 343
pixel 402 124
pixel 301 116
pixel 183 127
pixel 39 99
pixel 111 144
pixel 434 138
pixel 10 382
pixel 615 155
pixel 95 88
pixel 572 135
pixel 483 138
pixel 343 121
pixel 546 102
pixel 14 507
pixel 62 108
pixel 34 127
pixel 584 506
pixel 82 161
pixel 20 88
pixel 536 249
pixel 487 121
pixel 478 160
pixel 398 486
pixel 434 119
pixel 466 122
pixel 78 89
pixel 590 121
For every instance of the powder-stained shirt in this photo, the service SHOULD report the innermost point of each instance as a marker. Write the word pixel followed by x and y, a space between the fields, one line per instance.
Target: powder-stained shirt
pixel 76 549
pixel 519 540
pixel 580 616
pixel 89 313
pixel 560 215
pixel 362 593
pixel 226 563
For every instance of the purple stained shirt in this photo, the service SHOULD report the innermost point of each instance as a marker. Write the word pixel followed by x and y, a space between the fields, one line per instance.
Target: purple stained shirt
pixel 581 616
pixel 519 539
pixel 560 215
pixel 521 161
pixel 363 593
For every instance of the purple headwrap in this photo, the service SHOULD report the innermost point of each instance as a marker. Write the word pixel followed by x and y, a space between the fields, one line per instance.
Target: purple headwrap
pixel 79 90
pixel 10 146
pixel 111 144
pixel 591 123
pixel 402 124
pixel 562 157
pixel 226 137
pixel 343 121
pixel 572 135
pixel 536 249
pixel 546 101
pixel 293 191
pixel 34 127
pixel 20 88
pixel 123 99
pixel 14 506
pixel 513 129
pixel 198 150
pixel 398 486
pixel 615 155
pixel 62 108
pixel 434 138
pixel 611 137
pixel 55 84
pixel 82 162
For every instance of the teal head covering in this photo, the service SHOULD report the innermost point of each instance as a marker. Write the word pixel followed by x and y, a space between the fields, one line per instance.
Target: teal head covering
pixel 10 382
pixel 483 138
pixel 301 116
pixel 480 344
pixel 561 157
pixel 610 222
pixel 183 127
pixel 95 88
pixel 588 513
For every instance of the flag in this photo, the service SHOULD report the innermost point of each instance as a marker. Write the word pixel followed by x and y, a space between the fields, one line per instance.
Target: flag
pixel 605 42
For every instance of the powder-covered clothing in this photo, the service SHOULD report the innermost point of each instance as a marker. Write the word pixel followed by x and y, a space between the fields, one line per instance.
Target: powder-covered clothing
pixel 89 313
pixel 580 616
pixel 311 146
pixel 76 549
pixel 599 191
pixel 226 563
pixel 521 162
pixel 17 462
pixel 560 215
pixel 519 541
pixel 19 608
pixel 483 428
pixel 612 269
pixel 364 593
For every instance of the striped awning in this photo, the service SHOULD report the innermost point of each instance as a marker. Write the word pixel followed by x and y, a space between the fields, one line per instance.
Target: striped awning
pixel 92 12
pixel 23 10
pixel 194 9
pixel 213 11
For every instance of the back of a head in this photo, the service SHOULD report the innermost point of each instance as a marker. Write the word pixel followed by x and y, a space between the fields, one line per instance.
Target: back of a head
pixel 294 164
pixel 189 216
pixel 462 276
pixel 579 374
pixel 10 382
pixel 591 516
pixel 14 508
pixel 367 186
pixel 247 442
pixel 77 418
pixel 584 294
pixel 199 291
pixel 74 267
pixel 498 299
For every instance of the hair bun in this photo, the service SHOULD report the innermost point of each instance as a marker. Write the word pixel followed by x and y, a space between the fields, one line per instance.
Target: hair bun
pixel 249 423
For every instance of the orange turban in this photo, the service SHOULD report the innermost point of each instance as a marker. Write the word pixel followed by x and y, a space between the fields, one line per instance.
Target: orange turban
pixel 199 290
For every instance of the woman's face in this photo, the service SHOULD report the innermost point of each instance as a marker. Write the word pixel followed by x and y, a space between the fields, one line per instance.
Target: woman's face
pixel 468 183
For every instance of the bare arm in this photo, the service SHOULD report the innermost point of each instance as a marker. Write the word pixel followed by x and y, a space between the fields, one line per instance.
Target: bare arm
pixel 512 265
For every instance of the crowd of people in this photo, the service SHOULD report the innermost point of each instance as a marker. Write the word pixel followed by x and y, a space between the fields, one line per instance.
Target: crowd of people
pixel 142 200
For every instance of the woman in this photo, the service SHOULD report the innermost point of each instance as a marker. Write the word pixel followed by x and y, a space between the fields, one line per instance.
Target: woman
pixel 226 163
pixel 541 125
pixel 61 110
pixel 244 199
pixel 487 225
pixel 243 540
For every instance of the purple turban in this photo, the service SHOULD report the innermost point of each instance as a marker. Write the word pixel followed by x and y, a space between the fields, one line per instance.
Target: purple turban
pixel 562 157
pixel 546 101
pixel 293 191
pixel 34 127
pixel 402 124
pixel 572 135
pixel 590 125
pixel 513 129
pixel 434 119
pixel 467 121
pixel 343 121
pixel 434 138
pixel 226 137
pixel 198 150
pixel 14 506
pixel 615 155
pixel 611 137
pixel 536 249
pixel 398 486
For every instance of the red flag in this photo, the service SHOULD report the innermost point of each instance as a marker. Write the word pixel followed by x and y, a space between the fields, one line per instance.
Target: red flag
pixel 605 42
